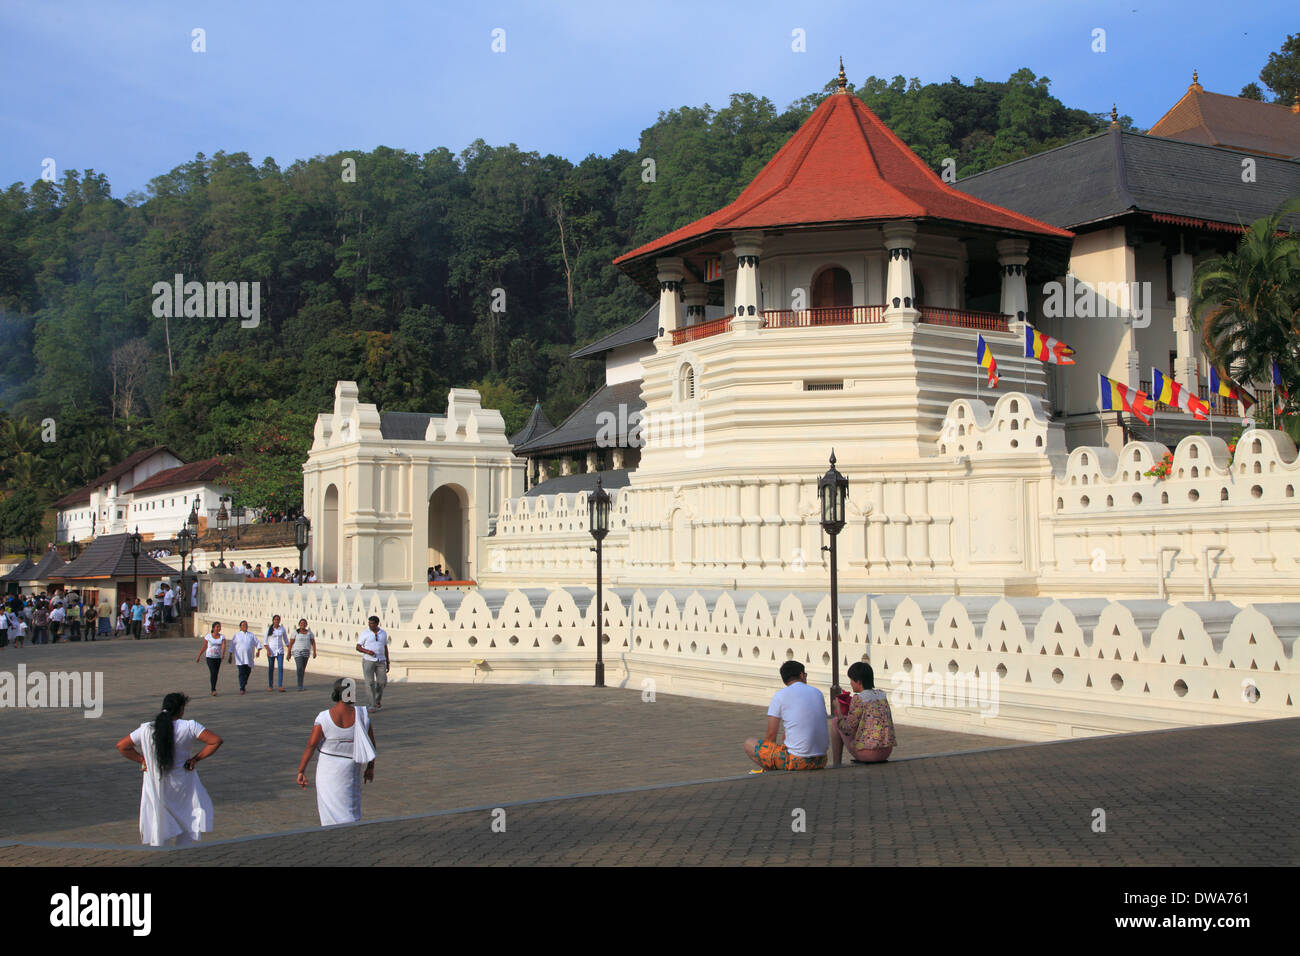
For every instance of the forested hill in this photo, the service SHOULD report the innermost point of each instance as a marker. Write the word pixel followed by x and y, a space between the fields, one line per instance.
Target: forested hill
pixel 380 267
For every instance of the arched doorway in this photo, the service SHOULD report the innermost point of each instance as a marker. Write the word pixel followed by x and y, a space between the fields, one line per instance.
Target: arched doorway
pixel 449 531
pixel 329 537
pixel 832 289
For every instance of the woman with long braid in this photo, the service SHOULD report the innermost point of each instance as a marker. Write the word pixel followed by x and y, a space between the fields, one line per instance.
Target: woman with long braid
pixel 174 807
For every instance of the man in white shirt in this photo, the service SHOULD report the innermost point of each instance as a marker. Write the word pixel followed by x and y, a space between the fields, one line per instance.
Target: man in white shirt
pixel 57 617
pixel 244 649
pixel 169 598
pixel 807 733
pixel 373 643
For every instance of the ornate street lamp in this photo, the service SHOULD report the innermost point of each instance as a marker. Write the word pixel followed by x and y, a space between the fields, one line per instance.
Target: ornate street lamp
pixel 301 537
pixel 239 513
pixel 223 520
pixel 192 522
pixel 598 524
pixel 135 559
pixel 833 491
pixel 74 549
pixel 184 544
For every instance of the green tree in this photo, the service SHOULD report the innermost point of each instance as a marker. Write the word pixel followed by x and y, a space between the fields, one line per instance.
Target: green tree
pixel 1281 73
pixel 1246 304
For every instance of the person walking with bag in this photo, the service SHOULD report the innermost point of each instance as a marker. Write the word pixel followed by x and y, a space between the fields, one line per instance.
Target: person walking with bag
pixel 347 756
pixel 244 650
pixel 373 642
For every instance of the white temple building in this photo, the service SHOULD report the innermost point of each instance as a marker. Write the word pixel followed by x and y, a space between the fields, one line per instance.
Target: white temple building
pixel 987 544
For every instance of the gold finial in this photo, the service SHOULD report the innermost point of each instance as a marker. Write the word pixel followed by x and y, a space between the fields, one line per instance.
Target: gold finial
pixel 1114 117
pixel 844 80
pixel 1196 83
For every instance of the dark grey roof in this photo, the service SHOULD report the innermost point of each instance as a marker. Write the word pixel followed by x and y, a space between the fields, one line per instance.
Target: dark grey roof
pixel 579 430
pixel 20 572
pixel 405 426
pixel 109 557
pixel 568 484
pixel 51 561
pixel 643 329
pixel 537 425
pixel 1114 173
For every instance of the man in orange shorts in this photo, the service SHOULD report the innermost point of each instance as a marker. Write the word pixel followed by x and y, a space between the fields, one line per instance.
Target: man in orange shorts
pixel 803 711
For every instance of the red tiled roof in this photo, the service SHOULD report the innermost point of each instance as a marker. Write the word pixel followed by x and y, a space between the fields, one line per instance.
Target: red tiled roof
pixel 844 165
pixel 114 473
pixel 1234 122
pixel 194 473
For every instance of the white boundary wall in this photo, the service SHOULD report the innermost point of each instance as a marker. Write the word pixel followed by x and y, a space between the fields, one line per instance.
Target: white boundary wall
pixel 1073 667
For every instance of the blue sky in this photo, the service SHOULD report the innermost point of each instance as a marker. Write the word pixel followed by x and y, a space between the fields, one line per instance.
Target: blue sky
pixel 115 86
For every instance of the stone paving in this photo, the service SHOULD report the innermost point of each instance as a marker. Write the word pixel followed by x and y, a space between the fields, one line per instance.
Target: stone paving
pixel 451 754
pixel 441 747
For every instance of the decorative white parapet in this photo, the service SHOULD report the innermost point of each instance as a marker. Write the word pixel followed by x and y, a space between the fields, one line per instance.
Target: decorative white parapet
pixel 1027 668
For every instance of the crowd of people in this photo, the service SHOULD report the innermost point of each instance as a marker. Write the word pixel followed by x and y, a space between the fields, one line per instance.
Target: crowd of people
pixel 62 616
pixel 272 573
pixel 436 573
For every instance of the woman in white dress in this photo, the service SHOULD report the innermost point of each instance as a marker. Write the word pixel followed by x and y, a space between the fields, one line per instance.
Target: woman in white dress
pixel 343 754
pixel 174 807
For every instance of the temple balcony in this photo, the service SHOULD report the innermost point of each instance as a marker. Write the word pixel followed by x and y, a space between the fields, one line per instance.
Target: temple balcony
pixel 852 315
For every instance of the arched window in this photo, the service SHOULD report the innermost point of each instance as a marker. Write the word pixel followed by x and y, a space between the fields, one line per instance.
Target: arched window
pixel 688 383
pixel 832 289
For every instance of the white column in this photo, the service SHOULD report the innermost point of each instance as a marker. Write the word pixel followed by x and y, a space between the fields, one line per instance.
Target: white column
pixel 1186 363
pixel 670 300
pixel 1013 258
pixel 748 312
pixel 697 294
pixel 900 290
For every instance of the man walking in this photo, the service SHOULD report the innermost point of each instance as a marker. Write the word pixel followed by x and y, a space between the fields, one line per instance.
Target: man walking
pixel 373 643
pixel 137 618
pixel 807 737
pixel 244 648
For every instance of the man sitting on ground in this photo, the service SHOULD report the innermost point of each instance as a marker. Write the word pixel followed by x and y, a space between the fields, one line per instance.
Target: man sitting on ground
pixel 803 711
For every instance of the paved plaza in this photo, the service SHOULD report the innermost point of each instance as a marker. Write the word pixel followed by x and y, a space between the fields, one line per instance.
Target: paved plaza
pixel 599 776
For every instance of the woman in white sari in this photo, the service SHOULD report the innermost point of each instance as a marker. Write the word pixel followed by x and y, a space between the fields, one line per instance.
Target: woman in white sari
pixel 343 753
pixel 174 807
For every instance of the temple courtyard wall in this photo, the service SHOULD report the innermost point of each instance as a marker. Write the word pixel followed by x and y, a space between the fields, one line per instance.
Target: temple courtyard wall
pixel 1028 668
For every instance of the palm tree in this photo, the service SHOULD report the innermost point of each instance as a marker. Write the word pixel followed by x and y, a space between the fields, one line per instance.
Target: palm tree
pixel 1246 304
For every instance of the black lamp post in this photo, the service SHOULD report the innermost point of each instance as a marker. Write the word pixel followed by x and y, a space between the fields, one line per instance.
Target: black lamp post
pixel 135 560
pixel 301 536
pixel 833 491
pixel 239 513
pixel 74 549
pixel 598 518
pixel 223 519
pixel 184 544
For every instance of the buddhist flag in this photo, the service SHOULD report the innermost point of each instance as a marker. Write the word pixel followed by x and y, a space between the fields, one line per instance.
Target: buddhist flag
pixel 713 269
pixel 1046 349
pixel 984 355
pixel 1120 398
pixel 1280 395
pixel 1220 385
pixel 1168 392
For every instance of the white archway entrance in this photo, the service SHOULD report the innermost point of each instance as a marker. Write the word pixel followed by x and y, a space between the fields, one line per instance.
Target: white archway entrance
pixel 329 537
pixel 449 531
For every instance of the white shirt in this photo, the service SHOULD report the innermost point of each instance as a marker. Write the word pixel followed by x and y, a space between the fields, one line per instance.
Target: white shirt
pixel 302 642
pixel 168 596
pixel 311 579
pixel 376 641
pixel 57 614
pixel 803 711
pixel 214 645
pixel 277 639
pixel 243 645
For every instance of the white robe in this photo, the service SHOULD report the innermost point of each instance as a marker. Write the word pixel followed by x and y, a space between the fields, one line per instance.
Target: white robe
pixel 173 805
pixel 340 764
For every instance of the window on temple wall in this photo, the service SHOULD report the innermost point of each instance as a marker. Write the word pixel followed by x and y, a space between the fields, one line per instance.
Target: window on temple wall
pixel 832 289
pixel 688 383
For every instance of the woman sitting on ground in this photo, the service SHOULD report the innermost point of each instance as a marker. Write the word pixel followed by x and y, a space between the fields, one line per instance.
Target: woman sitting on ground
pixel 867 728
